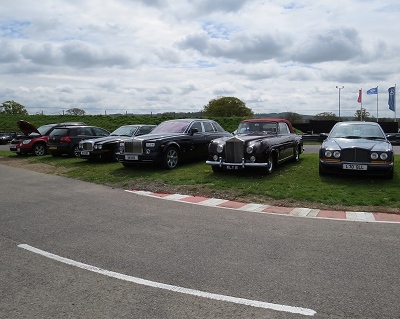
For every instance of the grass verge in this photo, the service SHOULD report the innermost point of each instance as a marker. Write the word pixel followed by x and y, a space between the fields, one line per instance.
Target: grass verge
pixel 292 184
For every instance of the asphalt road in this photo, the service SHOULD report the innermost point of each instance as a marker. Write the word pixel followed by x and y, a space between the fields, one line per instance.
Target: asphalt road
pixel 107 253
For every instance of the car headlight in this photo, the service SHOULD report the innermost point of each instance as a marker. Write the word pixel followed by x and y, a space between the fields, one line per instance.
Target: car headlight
pixel 220 148
pixel 26 141
pixel 374 156
pixel 98 146
pixel 150 144
pixel 384 156
pixel 328 154
pixel 336 154
pixel 249 149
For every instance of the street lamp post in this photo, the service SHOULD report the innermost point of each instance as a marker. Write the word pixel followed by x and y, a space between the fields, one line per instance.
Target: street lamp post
pixel 339 88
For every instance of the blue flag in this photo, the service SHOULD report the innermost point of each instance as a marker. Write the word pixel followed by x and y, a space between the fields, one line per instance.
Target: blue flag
pixel 392 97
pixel 373 91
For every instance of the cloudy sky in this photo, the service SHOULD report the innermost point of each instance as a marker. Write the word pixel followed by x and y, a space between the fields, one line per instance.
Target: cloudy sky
pixel 142 56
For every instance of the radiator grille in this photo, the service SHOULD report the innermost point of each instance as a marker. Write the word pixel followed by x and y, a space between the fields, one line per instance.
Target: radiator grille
pixel 87 146
pixel 133 147
pixel 234 150
pixel 355 155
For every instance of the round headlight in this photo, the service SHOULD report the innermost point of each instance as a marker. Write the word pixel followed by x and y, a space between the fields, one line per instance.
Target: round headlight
pixel 336 154
pixel 328 153
pixel 220 148
pixel 384 156
pixel 249 149
pixel 215 157
pixel 374 156
pixel 252 159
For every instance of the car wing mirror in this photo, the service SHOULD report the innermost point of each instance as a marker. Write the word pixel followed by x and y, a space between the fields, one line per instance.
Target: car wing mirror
pixel 194 130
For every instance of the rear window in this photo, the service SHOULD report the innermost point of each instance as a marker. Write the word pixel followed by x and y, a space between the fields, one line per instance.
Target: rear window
pixel 59 132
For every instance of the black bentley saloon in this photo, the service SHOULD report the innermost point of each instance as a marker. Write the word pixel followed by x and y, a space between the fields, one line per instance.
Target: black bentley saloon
pixel 258 143
pixel 171 142
pixel 107 147
pixel 358 148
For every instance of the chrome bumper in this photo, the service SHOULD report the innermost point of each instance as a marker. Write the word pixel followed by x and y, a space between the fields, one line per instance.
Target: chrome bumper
pixel 243 164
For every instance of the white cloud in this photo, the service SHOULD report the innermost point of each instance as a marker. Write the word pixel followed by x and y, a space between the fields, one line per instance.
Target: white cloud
pixel 165 56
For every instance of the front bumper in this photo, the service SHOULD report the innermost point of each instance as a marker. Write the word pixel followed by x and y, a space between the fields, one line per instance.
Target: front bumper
pixel 242 164
pixel 372 168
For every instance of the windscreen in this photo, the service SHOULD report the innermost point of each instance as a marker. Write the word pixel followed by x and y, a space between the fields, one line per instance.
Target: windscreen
pixel 171 127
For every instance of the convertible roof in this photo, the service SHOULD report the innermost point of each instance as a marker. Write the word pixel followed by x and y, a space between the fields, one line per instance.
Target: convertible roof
pixel 271 120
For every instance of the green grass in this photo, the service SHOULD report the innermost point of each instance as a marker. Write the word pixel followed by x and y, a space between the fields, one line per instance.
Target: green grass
pixel 297 182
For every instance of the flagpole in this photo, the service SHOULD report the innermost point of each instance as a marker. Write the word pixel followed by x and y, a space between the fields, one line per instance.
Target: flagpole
pixel 395 117
pixel 361 114
pixel 377 117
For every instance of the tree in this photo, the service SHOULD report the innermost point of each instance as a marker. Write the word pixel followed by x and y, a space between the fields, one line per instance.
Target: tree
pixel 11 107
pixel 364 115
pixel 326 116
pixel 293 117
pixel 75 111
pixel 226 107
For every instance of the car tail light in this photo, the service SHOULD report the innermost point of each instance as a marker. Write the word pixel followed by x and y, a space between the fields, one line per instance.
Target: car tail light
pixel 65 139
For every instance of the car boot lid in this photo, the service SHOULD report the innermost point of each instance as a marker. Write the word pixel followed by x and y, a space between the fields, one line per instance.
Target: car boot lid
pixel 26 127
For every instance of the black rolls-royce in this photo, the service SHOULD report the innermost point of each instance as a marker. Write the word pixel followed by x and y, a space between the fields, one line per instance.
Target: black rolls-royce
pixel 171 142
pixel 358 148
pixel 107 147
pixel 259 143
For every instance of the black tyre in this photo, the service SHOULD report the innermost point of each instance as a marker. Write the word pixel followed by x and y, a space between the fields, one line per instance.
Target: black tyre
pixel 170 158
pixel 75 151
pixel 296 154
pixel 321 171
pixel 217 169
pixel 114 156
pixel 271 165
pixel 128 165
pixel 39 149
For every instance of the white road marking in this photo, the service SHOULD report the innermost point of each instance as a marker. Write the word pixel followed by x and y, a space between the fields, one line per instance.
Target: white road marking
pixel 198 293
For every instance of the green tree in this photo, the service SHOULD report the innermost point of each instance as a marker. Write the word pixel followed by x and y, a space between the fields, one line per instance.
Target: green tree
pixel 227 107
pixel 362 115
pixel 12 107
pixel 75 111
pixel 326 116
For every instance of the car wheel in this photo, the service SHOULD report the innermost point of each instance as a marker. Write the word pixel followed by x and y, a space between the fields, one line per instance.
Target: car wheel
pixel 321 171
pixel 296 154
pixel 114 156
pixel 75 151
pixel 271 165
pixel 390 175
pixel 39 149
pixel 128 165
pixel 217 169
pixel 170 158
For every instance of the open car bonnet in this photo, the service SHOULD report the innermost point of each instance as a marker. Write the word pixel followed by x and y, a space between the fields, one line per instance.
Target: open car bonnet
pixel 26 127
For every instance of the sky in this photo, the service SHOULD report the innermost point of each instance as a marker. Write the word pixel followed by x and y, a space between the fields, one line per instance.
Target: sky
pixel 157 56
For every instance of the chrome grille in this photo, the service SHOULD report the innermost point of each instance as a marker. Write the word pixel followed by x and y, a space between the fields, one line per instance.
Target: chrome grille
pixel 133 147
pixel 355 155
pixel 87 146
pixel 234 150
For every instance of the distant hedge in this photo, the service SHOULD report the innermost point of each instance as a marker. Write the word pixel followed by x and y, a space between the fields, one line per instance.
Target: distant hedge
pixel 8 123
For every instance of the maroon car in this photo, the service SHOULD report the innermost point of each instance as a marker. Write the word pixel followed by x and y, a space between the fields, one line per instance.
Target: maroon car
pixel 258 143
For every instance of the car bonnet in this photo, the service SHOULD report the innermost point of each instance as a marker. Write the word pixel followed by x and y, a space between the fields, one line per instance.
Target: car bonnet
pixel 26 127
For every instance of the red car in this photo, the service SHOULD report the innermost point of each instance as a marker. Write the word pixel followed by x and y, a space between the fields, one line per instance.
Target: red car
pixel 34 140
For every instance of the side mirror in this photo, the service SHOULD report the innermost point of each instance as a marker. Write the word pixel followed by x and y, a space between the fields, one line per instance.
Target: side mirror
pixel 194 130
pixel 322 137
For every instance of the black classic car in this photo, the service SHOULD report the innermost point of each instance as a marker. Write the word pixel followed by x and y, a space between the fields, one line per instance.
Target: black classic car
pixel 171 142
pixel 107 147
pixel 357 148
pixel 259 143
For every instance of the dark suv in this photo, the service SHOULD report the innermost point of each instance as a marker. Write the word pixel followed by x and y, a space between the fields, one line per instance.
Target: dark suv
pixel 65 139
pixel 34 140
